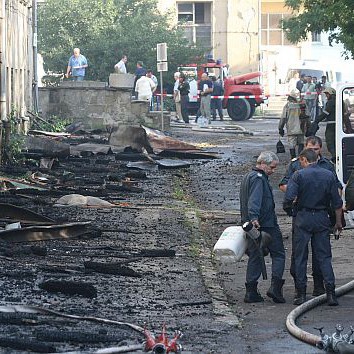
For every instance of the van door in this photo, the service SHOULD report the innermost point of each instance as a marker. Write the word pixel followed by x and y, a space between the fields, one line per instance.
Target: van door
pixel 345 134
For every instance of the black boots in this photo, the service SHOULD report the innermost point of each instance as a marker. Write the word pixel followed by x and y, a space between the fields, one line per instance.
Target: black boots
pixel 275 291
pixel 300 296
pixel 318 287
pixel 292 153
pixel 331 295
pixel 252 294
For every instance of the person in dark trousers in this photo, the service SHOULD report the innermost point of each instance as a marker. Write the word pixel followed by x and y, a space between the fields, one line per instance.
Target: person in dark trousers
pixel 216 103
pixel 184 88
pixel 329 113
pixel 313 189
pixel 314 143
pixel 257 207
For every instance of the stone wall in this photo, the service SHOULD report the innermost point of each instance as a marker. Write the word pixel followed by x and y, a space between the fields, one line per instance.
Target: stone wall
pixel 96 105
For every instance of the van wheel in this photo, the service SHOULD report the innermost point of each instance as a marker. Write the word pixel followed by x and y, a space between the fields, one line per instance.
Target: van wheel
pixel 238 109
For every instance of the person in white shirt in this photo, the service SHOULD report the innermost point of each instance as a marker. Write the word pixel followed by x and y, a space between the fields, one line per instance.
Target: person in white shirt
pixel 120 66
pixel 309 95
pixel 145 87
pixel 151 76
pixel 177 96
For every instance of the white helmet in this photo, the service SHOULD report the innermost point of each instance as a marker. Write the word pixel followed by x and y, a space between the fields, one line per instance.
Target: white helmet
pixel 330 91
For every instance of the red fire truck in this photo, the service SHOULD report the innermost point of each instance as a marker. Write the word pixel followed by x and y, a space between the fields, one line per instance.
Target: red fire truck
pixel 242 94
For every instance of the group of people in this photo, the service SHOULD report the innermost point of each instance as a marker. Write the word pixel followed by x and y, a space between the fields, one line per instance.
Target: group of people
pixel 300 116
pixel 145 81
pixel 207 87
pixel 312 92
pixel 313 200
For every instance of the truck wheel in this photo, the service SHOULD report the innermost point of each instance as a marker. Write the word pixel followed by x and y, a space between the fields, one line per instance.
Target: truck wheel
pixel 239 109
pixel 252 110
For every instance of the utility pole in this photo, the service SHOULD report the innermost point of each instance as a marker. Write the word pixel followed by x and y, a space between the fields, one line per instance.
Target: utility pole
pixel 35 61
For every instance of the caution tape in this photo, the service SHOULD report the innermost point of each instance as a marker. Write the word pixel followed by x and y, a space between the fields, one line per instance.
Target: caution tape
pixel 264 97
pixel 219 97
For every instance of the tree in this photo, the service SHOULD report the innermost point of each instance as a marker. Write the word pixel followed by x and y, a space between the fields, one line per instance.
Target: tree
pixel 105 30
pixel 333 16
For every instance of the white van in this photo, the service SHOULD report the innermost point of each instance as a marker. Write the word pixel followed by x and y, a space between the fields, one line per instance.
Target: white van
pixel 345 135
pixel 314 68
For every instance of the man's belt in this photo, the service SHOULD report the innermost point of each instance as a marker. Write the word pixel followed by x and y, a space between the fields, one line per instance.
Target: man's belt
pixel 312 210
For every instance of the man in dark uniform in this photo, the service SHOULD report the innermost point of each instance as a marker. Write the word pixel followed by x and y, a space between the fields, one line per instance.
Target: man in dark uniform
pixel 329 113
pixel 314 143
pixel 216 103
pixel 314 189
pixel 257 206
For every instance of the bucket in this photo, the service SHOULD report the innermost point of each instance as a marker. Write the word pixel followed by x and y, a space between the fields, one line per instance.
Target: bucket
pixel 232 243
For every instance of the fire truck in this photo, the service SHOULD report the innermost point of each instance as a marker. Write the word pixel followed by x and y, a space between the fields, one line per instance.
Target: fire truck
pixel 242 94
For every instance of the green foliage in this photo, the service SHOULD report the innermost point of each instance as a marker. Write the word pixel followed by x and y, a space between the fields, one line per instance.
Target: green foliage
pixel 16 142
pixel 52 124
pixel 105 30
pixel 333 16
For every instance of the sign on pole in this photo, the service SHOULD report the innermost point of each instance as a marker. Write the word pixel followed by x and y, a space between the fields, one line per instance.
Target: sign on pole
pixel 161 52
pixel 163 66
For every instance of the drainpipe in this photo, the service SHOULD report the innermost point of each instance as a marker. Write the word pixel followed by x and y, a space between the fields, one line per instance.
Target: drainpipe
pixel 35 51
pixel 3 115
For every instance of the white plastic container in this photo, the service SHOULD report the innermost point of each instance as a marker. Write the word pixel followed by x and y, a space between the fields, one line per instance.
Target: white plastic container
pixel 232 243
pixel 202 122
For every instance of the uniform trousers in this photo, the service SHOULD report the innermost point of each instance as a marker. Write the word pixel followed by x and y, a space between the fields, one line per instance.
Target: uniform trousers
pixel 316 270
pixel 216 105
pixel 277 253
pixel 184 108
pixel 314 226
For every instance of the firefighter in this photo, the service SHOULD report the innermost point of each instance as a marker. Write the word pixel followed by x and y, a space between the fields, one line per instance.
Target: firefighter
pixel 314 189
pixel 329 113
pixel 291 119
pixel 314 143
pixel 257 207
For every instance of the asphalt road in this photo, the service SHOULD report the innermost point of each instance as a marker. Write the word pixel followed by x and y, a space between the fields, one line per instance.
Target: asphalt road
pixel 183 210
pixel 215 186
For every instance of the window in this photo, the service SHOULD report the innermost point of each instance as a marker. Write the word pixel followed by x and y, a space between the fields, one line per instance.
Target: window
pixel 316 36
pixel 195 17
pixel 348 110
pixel 271 31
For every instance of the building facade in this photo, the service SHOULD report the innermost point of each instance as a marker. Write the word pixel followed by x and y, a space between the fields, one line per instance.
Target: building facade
pixel 16 46
pixel 247 35
pixel 228 27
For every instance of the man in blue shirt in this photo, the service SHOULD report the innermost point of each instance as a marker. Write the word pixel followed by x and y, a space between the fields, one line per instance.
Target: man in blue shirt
pixel 257 206
pixel 77 64
pixel 312 190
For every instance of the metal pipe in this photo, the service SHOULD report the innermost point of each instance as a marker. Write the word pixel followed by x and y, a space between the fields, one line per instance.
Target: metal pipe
pixel 307 306
pixel 3 113
pixel 35 51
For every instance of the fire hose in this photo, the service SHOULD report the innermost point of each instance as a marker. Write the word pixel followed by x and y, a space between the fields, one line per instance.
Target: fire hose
pixel 341 346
